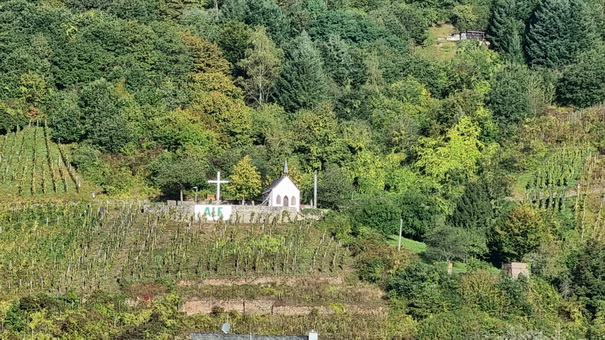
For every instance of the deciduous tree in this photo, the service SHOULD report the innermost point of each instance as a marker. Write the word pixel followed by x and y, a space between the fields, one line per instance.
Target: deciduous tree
pixel 262 65
pixel 245 180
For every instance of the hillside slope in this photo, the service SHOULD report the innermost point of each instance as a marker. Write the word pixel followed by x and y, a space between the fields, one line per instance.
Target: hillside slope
pixel 31 165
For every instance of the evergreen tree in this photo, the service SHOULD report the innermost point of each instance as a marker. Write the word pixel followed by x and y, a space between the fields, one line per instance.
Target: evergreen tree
pixel 583 83
pixel 558 30
pixel 234 10
pixel 509 97
pixel 303 82
pixel 505 28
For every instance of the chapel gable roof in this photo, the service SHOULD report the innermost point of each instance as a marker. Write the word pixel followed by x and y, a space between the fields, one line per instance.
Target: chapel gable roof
pixel 274 184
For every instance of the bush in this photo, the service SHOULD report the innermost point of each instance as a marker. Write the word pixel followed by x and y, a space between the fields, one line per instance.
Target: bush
pixel 458 325
pixel 375 262
pixel 427 289
pixel 380 213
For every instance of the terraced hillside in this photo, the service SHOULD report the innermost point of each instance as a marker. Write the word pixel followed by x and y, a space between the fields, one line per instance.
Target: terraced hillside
pixel 84 247
pixel 287 278
pixel 32 165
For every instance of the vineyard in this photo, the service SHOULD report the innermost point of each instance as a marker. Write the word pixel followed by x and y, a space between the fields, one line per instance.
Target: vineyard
pixel 550 184
pixel 31 164
pixel 56 248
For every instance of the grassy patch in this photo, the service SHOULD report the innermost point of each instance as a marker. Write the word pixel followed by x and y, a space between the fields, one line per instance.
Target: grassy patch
pixel 406 243
pixel 436 47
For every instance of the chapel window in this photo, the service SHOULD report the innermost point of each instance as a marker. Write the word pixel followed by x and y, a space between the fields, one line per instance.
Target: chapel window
pixel 278 200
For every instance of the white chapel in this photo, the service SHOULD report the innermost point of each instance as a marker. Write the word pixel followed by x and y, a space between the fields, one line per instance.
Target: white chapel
pixel 282 192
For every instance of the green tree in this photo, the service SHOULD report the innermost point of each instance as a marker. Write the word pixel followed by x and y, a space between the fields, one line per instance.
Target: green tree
pixel 465 17
pixel 317 137
pixel 509 98
pixel 478 206
pixel 426 289
pixel 588 274
pixel 405 20
pixel 557 31
pixel 104 122
pixel 520 232
pixel 583 83
pixel 447 243
pixel 65 116
pixel 418 212
pixel 341 61
pixel 234 39
pixel 379 212
pixel 175 173
pixel 453 156
pixel 303 82
pixel 333 187
pixel 506 28
pixel 262 65
pixel 244 180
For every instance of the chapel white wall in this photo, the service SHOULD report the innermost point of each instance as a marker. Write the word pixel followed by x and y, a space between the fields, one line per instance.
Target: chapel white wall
pixel 285 188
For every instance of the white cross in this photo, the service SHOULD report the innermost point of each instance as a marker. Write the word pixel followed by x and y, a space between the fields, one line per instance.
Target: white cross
pixel 218 183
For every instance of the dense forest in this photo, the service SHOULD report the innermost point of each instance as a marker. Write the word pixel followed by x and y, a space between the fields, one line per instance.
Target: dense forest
pixel 488 151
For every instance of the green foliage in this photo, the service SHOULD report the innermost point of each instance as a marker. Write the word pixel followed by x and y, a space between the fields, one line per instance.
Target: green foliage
pixel 334 188
pixel 303 83
pixel 244 181
pixel 154 96
pixel 506 28
pixel 557 32
pixel 582 82
pixel 446 243
pixel 426 289
pixel 174 173
pixel 458 325
pixel 262 65
pixel 588 275
pixel 350 26
pixel 103 120
pixel 454 157
pixel 516 94
pixel 521 231
pixel 66 117
pixel 404 20
pixel 374 262
pixel 478 206
pixel 418 212
pixel 381 213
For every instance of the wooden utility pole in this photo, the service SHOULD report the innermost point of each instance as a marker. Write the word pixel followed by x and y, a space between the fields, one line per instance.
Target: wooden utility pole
pixel 400 231
pixel 315 189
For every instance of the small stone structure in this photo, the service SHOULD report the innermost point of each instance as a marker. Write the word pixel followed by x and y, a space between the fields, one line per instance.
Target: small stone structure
pixel 467 35
pixel 515 269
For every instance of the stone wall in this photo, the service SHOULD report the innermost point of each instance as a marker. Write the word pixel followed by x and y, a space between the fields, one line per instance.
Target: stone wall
pixel 261 214
pixel 240 213
pixel 202 336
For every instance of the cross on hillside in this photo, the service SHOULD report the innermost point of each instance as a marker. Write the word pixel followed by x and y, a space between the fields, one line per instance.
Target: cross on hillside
pixel 218 183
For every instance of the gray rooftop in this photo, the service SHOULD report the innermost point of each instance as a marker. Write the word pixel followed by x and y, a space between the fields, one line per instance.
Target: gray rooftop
pixel 204 336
